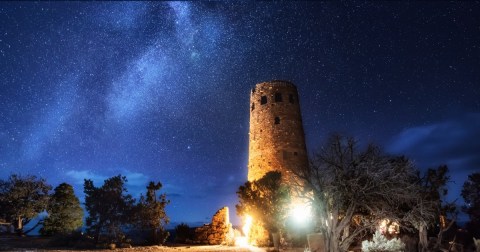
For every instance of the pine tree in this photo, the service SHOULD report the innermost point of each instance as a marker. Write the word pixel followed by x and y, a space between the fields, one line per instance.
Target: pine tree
pixel 64 212
pixel 150 213
pixel 109 208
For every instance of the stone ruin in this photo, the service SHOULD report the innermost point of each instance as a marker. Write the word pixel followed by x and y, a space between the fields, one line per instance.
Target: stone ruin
pixel 218 232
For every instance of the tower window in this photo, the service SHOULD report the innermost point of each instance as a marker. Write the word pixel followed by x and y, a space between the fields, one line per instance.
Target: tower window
pixel 295 153
pixel 291 99
pixel 277 120
pixel 253 106
pixel 263 100
pixel 278 97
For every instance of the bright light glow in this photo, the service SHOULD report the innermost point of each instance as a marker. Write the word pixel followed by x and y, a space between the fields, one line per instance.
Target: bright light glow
pixel 389 227
pixel 242 241
pixel 247 226
pixel 301 213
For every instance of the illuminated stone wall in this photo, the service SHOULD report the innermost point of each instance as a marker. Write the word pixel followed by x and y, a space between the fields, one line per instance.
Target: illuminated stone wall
pixel 276 138
pixel 218 232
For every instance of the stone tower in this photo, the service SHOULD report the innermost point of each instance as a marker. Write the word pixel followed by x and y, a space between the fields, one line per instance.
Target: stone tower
pixel 277 140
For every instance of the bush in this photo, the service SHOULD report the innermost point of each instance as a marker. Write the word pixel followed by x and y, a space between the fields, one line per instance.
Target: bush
pixel 380 243
pixel 183 233
pixel 75 240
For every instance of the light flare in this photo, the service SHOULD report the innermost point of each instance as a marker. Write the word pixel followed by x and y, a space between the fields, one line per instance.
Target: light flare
pixel 301 213
pixel 242 241
pixel 248 225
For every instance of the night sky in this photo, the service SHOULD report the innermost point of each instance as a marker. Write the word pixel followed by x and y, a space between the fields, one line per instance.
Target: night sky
pixel 160 91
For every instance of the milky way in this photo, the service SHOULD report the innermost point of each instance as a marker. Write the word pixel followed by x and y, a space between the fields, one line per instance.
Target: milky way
pixel 159 91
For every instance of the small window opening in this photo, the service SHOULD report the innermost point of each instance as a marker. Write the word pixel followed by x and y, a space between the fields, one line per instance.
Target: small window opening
pixel 263 100
pixel 278 97
pixel 295 153
pixel 253 106
pixel 291 99
pixel 277 120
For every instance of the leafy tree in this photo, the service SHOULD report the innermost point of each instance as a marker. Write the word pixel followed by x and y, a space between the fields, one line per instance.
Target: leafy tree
pixel 265 200
pixel 150 213
pixel 22 198
pixel 352 191
pixel 471 195
pixel 64 212
pixel 109 208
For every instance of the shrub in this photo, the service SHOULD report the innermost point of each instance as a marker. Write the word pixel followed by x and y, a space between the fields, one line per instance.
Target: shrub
pixel 183 233
pixel 380 243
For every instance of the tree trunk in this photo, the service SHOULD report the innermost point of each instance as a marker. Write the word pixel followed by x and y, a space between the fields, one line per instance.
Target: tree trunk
pixel 155 236
pixel 97 235
pixel 422 238
pixel 332 243
pixel 438 244
pixel 19 225
pixel 443 230
pixel 346 232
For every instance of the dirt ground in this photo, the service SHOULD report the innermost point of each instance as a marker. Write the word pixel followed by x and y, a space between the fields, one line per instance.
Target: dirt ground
pixel 34 244
pixel 210 248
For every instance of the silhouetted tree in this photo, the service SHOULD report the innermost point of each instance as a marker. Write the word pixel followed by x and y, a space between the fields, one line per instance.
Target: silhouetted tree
pixel 183 233
pixel 471 195
pixel 109 208
pixel 65 214
pixel 22 198
pixel 266 200
pixel 352 190
pixel 435 186
pixel 150 213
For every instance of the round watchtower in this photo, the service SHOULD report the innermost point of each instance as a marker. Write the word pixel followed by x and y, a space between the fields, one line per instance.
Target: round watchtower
pixel 277 140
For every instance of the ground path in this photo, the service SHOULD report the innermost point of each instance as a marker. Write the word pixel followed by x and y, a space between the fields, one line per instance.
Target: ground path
pixel 211 248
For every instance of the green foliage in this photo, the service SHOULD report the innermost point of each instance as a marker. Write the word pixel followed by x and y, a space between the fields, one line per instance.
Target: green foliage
pixel 150 214
pixel 22 199
pixel 183 233
pixel 109 208
pixel 266 200
pixel 471 195
pixel 380 243
pixel 64 212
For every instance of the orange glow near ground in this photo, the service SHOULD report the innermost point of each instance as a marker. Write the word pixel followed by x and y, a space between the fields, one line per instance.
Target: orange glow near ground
pixel 242 241
pixel 248 225
pixel 389 227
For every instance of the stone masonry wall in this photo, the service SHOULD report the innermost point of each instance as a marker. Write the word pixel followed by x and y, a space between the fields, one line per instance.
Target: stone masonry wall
pixel 276 137
pixel 219 231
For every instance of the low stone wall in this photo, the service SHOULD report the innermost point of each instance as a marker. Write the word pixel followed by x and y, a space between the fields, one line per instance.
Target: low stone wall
pixel 219 231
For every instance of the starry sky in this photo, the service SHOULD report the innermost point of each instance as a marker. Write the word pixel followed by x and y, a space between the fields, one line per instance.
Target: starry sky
pixel 160 90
